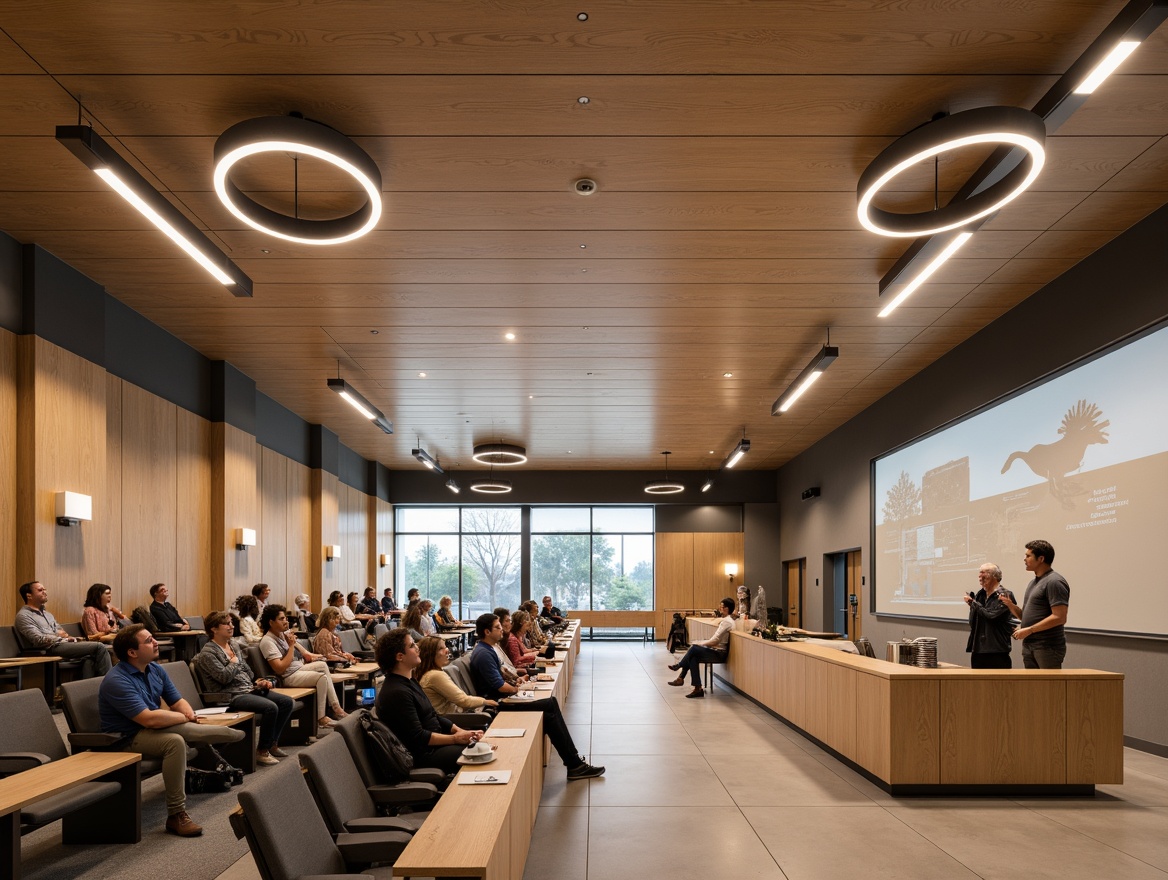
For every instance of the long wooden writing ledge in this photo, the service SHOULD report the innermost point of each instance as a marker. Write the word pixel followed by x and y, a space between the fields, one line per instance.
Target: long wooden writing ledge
pixel 935 731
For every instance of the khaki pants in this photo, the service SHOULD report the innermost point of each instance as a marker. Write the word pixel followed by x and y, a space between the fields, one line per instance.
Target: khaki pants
pixel 170 744
pixel 316 674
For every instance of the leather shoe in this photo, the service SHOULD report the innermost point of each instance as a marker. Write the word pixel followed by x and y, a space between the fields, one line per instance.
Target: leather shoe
pixel 183 825
pixel 696 692
pixel 674 666
pixel 678 682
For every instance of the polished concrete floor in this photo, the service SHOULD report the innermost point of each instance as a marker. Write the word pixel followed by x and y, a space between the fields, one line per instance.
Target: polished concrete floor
pixel 718 788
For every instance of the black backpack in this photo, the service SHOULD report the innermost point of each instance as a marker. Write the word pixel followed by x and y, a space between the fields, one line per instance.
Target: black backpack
pixel 677 637
pixel 389 756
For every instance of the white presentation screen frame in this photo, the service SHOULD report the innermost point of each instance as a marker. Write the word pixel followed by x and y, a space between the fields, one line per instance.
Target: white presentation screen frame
pixel 1079 458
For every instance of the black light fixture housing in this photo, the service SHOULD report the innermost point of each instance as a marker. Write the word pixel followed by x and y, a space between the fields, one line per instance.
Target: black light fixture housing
pixel 503 454
pixel 359 403
pixel 734 457
pixel 428 460
pixel 453 486
pixel 825 358
pixel 88 146
pixel 708 484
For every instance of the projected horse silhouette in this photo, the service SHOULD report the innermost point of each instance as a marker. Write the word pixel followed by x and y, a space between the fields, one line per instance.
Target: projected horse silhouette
pixel 1056 461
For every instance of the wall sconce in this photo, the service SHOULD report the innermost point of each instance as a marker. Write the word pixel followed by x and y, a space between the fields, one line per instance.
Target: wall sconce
pixel 72 508
pixel 332 551
pixel 384 560
pixel 244 538
pixel 731 570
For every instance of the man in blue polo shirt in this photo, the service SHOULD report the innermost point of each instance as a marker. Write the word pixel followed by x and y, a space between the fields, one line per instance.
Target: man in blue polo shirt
pixel 486 671
pixel 138 700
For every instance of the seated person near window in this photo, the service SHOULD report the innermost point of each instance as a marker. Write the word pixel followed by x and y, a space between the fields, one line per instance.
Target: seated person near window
pixel 369 605
pixel 249 619
pixel 513 629
pixel 218 662
pixel 534 638
pixel 100 619
pixel 403 706
pixel 411 619
pixel 326 642
pixel 550 611
pixel 429 627
pixel 444 695
pixel 444 616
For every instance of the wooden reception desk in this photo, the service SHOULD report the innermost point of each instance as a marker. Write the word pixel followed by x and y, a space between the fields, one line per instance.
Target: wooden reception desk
pixel 936 731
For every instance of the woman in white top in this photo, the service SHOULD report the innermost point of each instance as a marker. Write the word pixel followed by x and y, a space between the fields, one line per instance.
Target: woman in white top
pixel 429 628
pixel 445 696
pixel 284 654
pixel 249 624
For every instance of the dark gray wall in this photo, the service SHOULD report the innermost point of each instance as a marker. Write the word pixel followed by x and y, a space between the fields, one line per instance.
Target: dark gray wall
pixel 1119 290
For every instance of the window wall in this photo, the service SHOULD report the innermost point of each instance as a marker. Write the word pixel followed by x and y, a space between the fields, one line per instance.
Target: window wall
pixel 598 558
pixel 584 557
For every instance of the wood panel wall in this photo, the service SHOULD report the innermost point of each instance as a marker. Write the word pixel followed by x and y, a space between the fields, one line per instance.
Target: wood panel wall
pixel 8 598
pixel 285 527
pixel 690 570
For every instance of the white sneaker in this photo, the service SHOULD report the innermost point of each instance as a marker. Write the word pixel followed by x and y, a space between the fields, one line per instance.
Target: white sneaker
pixel 266 759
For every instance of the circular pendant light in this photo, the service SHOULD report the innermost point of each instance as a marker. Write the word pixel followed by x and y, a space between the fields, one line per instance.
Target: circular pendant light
pixel 491 486
pixel 505 454
pixel 300 137
pixel 666 486
pixel 1004 126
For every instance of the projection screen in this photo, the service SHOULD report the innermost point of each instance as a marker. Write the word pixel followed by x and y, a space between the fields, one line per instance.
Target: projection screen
pixel 1080 459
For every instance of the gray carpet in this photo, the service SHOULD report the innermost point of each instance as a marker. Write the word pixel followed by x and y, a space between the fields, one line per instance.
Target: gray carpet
pixel 159 855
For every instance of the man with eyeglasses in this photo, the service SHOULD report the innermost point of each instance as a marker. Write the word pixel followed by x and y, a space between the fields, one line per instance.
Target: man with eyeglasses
pixel 138 700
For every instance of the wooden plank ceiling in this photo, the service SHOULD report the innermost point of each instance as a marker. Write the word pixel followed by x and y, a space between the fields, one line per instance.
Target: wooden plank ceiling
pixel 726 139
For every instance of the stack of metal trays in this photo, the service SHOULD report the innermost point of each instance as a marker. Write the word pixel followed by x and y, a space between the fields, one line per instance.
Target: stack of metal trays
pixel 926 652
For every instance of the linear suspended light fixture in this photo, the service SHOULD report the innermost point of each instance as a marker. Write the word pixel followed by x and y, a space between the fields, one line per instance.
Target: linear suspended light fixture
pixel 88 146
pixel 505 454
pixel 491 486
pixel 805 379
pixel 353 397
pixel 1134 24
pixel 734 457
pixel 453 486
pixel 708 484
pixel 428 460
pixel 297 136
pixel 666 486
pixel 925 273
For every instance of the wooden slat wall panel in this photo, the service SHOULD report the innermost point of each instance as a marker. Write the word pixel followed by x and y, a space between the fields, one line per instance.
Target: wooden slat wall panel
pixel 62 446
pixel 301 558
pixel 672 574
pixel 194 533
pixel 327 576
pixel 8 598
pixel 1095 732
pixel 353 525
pixel 234 505
pixel 712 550
pixel 149 491
pixel 124 592
pixel 273 528
pixel 383 542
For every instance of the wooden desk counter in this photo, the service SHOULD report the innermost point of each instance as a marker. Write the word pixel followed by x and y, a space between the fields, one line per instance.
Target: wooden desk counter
pixel 958 730
pixel 491 823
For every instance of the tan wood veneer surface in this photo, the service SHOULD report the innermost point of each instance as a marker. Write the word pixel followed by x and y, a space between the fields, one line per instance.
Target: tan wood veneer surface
pixel 910 726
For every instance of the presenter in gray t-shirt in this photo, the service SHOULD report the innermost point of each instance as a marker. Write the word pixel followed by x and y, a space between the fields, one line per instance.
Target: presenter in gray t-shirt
pixel 1043 612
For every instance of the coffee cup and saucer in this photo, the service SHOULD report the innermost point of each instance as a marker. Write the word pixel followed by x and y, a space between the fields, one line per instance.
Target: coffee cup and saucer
pixel 477 753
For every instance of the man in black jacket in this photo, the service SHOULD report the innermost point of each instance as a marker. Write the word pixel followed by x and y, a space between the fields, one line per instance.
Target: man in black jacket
pixel 165 614
pixel 990 622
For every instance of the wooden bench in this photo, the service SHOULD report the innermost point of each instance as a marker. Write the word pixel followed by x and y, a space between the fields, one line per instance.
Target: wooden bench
pixel 116 819
pixel 599 619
